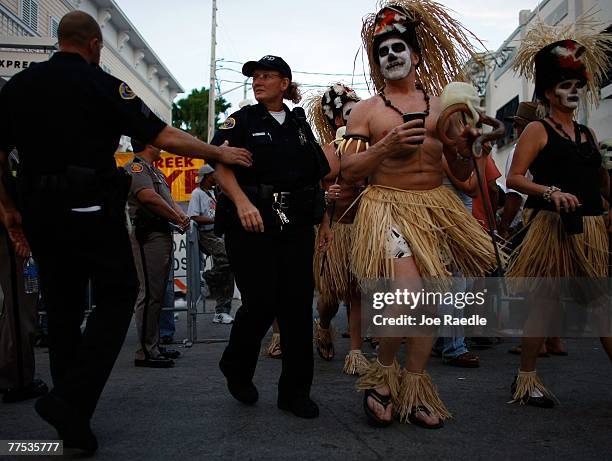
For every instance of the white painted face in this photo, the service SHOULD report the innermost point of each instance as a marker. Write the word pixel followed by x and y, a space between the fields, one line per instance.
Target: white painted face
pixel 569 93
pixel 346 110
pixel 394 58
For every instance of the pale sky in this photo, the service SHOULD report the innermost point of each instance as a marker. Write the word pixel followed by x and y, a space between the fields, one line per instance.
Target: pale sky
pixel 319 36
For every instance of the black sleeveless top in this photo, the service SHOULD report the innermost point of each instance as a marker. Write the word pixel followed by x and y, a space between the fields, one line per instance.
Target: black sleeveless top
pixel 573 168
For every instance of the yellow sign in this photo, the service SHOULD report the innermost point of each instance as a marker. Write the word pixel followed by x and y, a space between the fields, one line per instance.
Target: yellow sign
pixel 180 172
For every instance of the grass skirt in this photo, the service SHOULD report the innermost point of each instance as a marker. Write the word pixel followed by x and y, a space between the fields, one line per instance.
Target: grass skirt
pixel 547 251
pixel 335 282
pixel 437 226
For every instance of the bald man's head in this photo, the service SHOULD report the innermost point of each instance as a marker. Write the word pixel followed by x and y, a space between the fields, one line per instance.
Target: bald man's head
pixel 80 32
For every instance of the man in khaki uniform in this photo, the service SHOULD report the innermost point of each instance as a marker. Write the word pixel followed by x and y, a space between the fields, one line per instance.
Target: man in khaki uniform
pixel 151 209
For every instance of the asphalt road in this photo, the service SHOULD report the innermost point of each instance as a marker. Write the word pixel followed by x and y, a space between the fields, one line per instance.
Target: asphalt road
pixel 186 413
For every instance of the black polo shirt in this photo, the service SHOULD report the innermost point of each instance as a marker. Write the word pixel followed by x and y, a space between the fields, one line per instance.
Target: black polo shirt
pixel 285 156
pixel 67 112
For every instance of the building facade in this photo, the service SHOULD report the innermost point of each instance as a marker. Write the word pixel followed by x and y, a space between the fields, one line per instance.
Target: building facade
pixel 28 31
pixel 502 89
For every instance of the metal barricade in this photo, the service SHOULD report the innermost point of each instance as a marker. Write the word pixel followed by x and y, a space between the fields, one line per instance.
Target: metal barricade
pixel 194 290
pixel 194 287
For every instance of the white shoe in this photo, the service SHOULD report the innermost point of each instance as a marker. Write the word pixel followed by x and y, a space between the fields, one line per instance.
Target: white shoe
pixel 223 318
pixel 180 303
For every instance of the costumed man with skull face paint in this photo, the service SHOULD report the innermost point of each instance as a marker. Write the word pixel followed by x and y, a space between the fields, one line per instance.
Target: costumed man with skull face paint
pixel 398 227
pixel 328 114
pixel 566 234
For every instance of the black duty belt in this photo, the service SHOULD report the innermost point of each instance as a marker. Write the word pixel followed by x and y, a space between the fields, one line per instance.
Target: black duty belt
pixel 280 208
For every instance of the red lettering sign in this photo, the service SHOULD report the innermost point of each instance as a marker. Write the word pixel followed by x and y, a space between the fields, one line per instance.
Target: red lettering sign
pixel 170 179
pixel 190 180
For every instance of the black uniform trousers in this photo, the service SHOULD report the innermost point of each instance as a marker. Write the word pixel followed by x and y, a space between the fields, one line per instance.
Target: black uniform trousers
pixel 273 272
pixel 70 249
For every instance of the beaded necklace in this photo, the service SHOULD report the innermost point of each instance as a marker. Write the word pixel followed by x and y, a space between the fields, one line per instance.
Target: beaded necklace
pixel 389 104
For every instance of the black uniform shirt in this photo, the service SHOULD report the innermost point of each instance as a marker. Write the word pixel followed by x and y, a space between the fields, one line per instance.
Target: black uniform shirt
pixel 285 156
pixel 67 112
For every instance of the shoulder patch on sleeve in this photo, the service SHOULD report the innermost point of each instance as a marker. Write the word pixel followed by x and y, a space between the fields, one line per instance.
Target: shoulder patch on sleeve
pixel 125 91
pixel 229 123
pixel 136 168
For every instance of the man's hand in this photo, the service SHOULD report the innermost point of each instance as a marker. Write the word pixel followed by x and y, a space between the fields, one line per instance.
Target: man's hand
pixel 333 193
pixel 325 238
pixel 234 155
pixel 466 140
pixel 12 222
pixel 183 222
pixel 249 216
pixel 564 200
pixel 405 138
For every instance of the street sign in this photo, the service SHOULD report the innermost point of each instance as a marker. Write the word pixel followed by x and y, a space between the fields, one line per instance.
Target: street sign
pixel 12 62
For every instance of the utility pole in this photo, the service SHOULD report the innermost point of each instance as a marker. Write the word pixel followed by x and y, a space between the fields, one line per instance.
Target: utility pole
pixel 213 66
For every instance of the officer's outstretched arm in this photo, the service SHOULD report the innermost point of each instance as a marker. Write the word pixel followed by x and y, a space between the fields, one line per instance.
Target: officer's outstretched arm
pixel 247 212
pixel 181 143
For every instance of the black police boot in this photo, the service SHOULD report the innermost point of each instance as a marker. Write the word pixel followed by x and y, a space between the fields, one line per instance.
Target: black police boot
pixel 242 390
pixel 169 353
pixel 71 427
pixel 301 406
pixel 35 389
pixel 154 362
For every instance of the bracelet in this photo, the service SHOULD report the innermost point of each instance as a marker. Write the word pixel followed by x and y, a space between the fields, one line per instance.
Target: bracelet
pixel 548 193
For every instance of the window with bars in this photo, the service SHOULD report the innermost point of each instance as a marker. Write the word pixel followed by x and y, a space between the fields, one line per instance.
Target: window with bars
pixel 29 13
pixel 53 26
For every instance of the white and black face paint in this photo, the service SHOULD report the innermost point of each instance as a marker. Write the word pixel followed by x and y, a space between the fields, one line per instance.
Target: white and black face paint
pixel 346 110
pixel 569 93
pixel 394 57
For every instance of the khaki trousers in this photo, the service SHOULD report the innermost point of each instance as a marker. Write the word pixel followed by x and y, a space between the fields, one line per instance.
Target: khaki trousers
pixel 152 257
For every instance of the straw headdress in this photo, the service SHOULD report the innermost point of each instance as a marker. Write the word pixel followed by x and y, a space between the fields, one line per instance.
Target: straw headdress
pixel 442 41
pixel 551 54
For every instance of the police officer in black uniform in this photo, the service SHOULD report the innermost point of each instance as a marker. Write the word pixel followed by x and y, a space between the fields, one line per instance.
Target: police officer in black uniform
pixel 267 213
pixel 65 117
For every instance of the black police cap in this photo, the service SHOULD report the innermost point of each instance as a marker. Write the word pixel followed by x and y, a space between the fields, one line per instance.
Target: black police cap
pixel 268 62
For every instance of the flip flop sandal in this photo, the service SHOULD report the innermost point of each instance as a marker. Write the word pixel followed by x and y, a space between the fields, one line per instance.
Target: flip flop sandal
pixel 412 418
pixel 324 340
pixel 276 352
pixel 326 351
pixel 384 400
